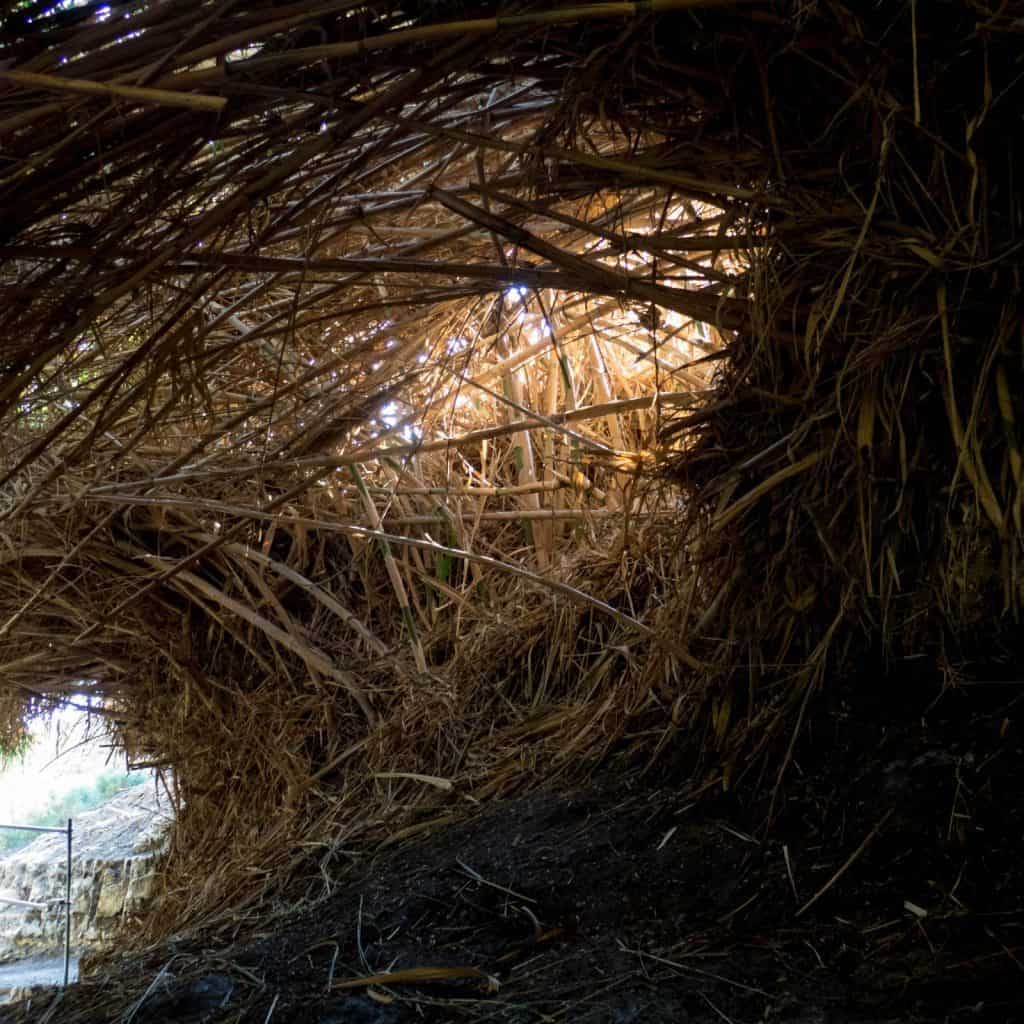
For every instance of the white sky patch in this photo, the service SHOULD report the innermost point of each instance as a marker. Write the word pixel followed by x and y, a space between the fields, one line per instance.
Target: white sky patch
pixel 390 414
pixel 242 53
pixel 538 331
pixel 70 749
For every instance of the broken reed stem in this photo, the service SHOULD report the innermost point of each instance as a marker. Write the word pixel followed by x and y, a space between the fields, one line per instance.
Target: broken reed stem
pixel 847 864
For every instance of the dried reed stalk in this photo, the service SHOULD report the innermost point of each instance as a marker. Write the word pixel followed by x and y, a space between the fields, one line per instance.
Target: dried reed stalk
pixel 258 482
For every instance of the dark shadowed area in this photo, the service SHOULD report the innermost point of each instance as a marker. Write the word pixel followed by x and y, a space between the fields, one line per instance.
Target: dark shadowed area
pixel 549 476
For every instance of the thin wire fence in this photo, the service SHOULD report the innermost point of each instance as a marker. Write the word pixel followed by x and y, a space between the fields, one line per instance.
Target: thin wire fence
pixel 30 905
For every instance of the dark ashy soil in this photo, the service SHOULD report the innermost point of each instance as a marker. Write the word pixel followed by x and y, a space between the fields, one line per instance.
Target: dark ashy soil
pixel 622 903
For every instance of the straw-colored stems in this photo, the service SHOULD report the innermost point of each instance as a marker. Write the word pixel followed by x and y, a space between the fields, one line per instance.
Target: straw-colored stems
pixel 535 516
pixel 471 492
pixel 317 593
pixel 134 93
pixel 394 574
pixel 605 396
pixel 413 561
pixel 448 521
pixel 1008 417
pixel 551 391
pixel 578 482
pixel 522 447
pixel 377 452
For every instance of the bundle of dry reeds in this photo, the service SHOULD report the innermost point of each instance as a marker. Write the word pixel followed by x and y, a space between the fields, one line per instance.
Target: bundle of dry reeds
pixel 857 476
pixel 402 405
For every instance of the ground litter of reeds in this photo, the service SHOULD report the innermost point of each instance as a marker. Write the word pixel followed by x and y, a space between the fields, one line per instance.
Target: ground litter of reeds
pixel 407 409
pixel 889 890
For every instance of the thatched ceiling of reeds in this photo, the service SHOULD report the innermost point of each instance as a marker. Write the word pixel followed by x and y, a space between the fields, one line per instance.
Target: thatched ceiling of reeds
pixel 404 399
pixel 336 342
pixel 251 251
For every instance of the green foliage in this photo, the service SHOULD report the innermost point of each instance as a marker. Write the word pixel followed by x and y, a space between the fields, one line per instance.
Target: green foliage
pixel 14 748
pixel 59 808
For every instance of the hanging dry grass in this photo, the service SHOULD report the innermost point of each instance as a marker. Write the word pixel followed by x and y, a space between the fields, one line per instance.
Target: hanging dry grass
pixel 405 405
pixel 858 487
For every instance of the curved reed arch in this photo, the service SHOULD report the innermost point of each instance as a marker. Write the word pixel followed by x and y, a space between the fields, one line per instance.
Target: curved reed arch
pixel 486 392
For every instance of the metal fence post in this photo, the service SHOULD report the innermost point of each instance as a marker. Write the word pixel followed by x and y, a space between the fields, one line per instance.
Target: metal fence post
pixel 67 914
pixel 67 892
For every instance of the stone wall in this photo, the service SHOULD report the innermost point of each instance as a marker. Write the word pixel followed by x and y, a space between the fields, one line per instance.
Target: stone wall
pixel 116 851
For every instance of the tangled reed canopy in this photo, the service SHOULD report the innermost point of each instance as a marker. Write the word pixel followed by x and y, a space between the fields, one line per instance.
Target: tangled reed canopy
pixel 403 403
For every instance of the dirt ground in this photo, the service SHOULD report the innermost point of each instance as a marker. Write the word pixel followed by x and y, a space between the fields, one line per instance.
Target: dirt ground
pixel 889 887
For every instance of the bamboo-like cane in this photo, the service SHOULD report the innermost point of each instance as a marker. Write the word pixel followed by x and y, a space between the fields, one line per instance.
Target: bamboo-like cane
pixel 134 93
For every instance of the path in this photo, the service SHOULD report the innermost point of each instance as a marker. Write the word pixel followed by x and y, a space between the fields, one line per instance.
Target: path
pixel 37 970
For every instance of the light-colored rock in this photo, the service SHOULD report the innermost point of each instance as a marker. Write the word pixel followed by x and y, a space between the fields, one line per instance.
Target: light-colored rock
pixel 117 851
pixel 140 886
pixel 113 889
